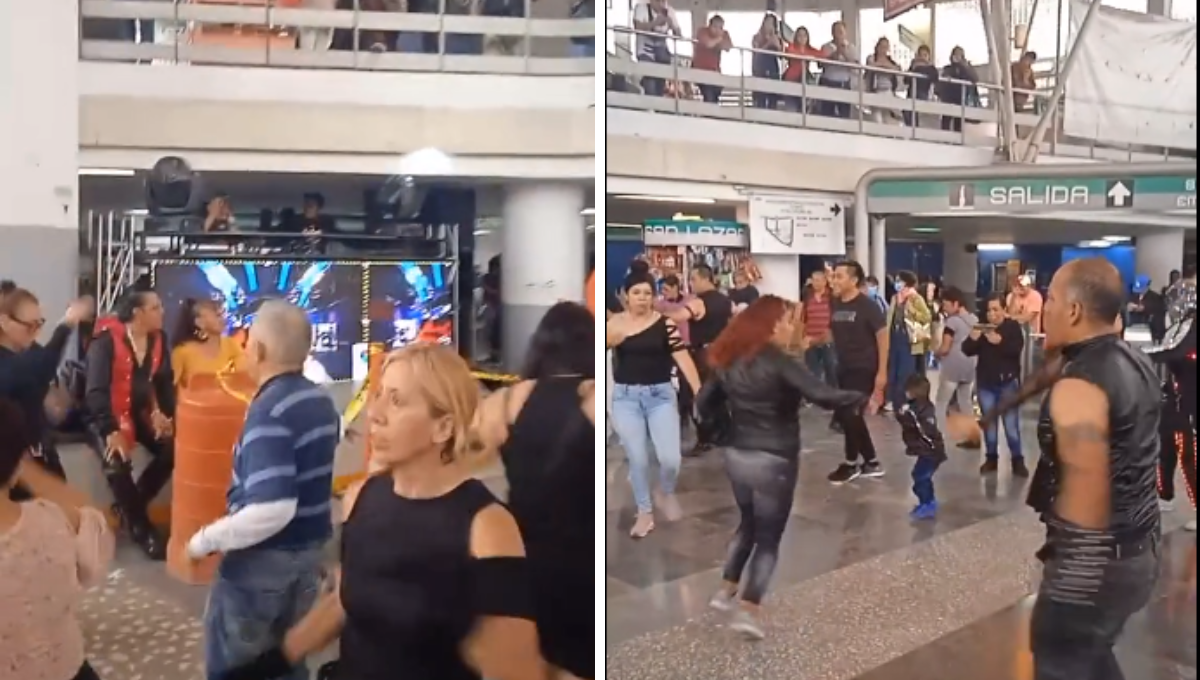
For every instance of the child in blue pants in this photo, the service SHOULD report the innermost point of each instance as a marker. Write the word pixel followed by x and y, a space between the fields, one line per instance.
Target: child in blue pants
pixel 922 440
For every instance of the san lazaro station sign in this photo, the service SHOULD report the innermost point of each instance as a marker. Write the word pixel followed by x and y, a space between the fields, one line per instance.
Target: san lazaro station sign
pixel 1132 194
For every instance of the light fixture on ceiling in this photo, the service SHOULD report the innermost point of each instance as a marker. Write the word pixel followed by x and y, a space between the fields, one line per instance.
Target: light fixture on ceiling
pixel 1118 239
pixel 105 172
pixel 995 247
pixel 926 230
pixel 1102 243
pixel 588 212
pixel 427 162
pixel 137 212
pixel 481 232
pixel 666 199
pixel 622 225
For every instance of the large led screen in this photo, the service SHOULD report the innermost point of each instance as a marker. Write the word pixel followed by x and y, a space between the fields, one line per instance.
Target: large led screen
pixel 411 301
pixel 330 292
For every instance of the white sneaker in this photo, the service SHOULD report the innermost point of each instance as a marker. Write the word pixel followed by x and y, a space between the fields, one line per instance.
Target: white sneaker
pixel 1190 526
pixel 723 600
pixel 746 624
pixel 1166 506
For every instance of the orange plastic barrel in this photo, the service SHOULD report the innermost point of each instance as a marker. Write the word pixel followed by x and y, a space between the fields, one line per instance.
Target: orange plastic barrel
pixel 208 422
pixel 591 293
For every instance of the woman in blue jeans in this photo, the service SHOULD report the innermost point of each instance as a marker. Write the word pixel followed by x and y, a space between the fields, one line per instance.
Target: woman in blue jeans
pixel 646 347
pixel 998 345
pixel 909 322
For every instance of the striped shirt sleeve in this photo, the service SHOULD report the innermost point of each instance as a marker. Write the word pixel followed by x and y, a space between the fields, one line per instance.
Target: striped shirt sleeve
pixel 267 461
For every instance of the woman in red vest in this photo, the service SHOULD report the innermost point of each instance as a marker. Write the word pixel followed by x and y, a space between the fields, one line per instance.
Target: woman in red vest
pixel 130 400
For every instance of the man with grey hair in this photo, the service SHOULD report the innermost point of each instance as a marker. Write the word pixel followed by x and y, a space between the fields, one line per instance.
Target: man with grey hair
pixel 279 503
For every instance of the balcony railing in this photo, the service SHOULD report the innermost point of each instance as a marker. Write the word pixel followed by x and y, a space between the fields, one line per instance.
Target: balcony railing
pixel 673 86
pixel 279 33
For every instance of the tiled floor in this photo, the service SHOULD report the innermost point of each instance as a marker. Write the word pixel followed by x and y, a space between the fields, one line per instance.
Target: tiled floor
pixel 859 589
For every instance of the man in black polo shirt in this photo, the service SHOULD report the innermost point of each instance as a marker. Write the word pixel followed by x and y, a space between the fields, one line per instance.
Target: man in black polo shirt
pixel 860 341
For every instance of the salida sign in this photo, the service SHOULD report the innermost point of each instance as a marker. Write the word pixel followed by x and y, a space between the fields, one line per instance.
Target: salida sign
pixel 1047 195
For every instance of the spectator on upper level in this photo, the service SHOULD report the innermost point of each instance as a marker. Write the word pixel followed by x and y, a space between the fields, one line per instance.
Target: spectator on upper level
pixel 921 84
pixel 712 41
pixel 1023 79
pixel 313 38
pixel 219 215
pixel 958 87
pixel 654 20
pixel 583 47
pixel 764 64
pixel 885 80
pixel 799 66
pixel 840 49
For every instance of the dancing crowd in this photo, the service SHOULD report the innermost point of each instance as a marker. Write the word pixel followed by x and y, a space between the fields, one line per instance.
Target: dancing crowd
pixel 436 578
pixel 1114 424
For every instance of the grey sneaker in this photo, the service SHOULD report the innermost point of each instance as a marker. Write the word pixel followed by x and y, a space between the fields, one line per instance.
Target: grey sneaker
pixel 1190 526
pixel 723 601
pixel 746 624
pixel 1166 506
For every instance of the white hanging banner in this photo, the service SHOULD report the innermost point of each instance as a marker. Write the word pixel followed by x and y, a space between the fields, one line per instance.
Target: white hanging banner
pixel 797 225
pixel 1134 82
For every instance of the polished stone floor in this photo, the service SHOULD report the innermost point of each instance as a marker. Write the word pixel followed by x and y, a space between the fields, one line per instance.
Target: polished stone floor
pixel 861 592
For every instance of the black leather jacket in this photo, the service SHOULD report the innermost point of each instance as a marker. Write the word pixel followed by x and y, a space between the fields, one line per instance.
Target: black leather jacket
pixel 760 399
pixel 1128 377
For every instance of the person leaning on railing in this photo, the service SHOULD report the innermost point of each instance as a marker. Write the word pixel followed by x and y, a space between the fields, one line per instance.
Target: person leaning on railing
pixel 763 64
pixel 925 75
pixel 881 81
pixel 835 76
pixel 799 69
pixel 654 19
pixel 712 41
pixel 958 87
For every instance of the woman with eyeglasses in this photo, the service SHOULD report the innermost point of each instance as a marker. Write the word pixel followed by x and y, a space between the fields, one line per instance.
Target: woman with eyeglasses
pixel 27 368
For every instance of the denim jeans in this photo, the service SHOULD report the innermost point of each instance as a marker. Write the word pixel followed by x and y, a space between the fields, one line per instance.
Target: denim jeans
pixel 922 476
pixel 822 361
pixel 764 486
pixel 902 363
pixel 1074 641
pixel 257 596
pixel 582 50
pixel 641 415
pixel 989 398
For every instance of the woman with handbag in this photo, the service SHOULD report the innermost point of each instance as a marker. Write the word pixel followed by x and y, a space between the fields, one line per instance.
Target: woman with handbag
pixel 911 328
pixel 28 369
pixel 749 406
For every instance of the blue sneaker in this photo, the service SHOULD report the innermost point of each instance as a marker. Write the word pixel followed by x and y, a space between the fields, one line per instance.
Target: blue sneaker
pixel 925 511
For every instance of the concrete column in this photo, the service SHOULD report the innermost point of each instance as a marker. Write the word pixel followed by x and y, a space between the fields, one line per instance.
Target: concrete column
pixel 959 267
pixel 543 258
pixel 39 149
pixel 850 9
pixel 878 247
pixel 1158 254
pixel 1160 8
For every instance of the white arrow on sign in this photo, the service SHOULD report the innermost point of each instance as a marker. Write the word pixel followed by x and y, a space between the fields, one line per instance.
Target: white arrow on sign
pixel 1119 193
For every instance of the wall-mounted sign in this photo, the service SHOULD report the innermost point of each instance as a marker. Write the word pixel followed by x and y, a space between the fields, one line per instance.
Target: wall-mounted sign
pixel 797 225
pixel 1130 194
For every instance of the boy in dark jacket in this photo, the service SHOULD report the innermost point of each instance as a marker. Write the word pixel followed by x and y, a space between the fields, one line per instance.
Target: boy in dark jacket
pixel 922 440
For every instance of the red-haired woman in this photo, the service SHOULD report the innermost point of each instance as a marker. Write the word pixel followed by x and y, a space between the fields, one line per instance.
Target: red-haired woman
pixel 754 399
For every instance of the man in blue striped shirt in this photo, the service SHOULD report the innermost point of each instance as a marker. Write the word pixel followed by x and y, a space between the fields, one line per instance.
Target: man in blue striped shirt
pixel 279 514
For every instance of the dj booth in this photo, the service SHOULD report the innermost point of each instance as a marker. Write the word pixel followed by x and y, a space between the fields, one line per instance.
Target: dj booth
pixel 358 290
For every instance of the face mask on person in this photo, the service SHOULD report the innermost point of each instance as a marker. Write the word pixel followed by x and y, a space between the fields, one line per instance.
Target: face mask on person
pixel 873 290
pixel 899 286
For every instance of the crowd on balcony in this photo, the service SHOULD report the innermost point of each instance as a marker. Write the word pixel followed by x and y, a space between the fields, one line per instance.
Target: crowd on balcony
pixel 321 39
pixel 792 56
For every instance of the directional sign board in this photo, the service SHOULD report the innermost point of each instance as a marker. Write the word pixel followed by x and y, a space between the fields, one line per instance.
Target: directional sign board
pixel 1130 194
pixel 811 224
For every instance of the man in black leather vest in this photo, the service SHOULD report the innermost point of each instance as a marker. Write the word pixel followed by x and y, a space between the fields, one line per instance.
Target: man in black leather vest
pixel 1100 439
pixel 1177 355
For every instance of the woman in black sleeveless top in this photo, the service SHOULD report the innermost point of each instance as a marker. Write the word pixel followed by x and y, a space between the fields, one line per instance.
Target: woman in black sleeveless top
pixel 543 429
pixel 434 582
